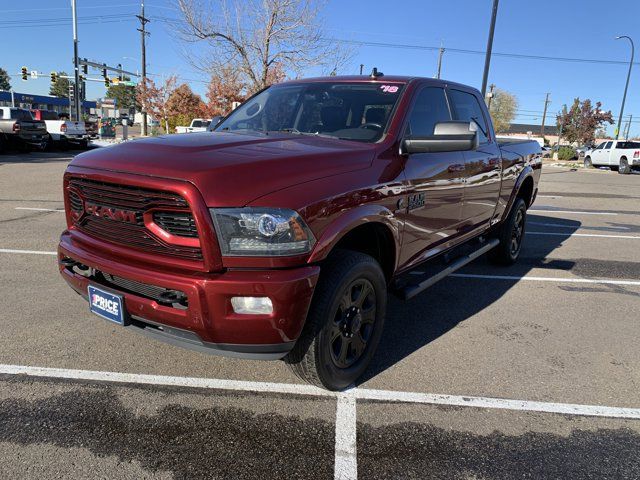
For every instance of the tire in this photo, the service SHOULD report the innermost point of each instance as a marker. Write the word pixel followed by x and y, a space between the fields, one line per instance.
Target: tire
pixel 511 235
pixel 588 163
pixel 624 167
pixel 48 146
pixel 349 300
pixel 63 144
pixel 3 143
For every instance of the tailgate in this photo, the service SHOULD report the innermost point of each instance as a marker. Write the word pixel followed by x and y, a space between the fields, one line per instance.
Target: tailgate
pixel 75 128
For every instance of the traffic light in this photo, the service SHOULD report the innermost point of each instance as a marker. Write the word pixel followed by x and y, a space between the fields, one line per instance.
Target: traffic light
pixel 104 70
pixel 24 73
pixel 72 91
pixel 54 78
pixel 107 82
pixel 85 69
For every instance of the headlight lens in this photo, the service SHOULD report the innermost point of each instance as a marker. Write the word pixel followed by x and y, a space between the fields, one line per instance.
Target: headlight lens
pixel 258 231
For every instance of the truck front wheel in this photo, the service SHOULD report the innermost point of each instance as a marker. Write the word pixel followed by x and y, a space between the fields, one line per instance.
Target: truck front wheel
pixel 511 235
pixel 344 324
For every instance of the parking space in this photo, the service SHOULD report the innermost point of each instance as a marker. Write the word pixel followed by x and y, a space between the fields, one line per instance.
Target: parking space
pixel 560 327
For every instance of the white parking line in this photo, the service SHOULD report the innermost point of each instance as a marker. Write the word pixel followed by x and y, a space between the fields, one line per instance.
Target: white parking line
pixel 31 252
pixel 550 196
pixel 547 279
pixel 561 225
pixel 576 212
pixel 583 235
pixel 345 466
pixel 41 209
pixel 346 458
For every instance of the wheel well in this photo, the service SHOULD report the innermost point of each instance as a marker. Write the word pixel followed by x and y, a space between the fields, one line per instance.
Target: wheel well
pixel 526 191
pixel 375 240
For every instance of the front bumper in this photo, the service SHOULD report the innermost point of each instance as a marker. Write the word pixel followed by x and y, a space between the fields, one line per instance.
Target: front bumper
pixel 207 322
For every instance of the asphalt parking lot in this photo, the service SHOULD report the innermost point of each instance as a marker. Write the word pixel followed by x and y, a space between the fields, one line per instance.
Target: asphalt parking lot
pixel 530 371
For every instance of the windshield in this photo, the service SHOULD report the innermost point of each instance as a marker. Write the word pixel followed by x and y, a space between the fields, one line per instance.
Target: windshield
pixel 350 111
pixel 19 114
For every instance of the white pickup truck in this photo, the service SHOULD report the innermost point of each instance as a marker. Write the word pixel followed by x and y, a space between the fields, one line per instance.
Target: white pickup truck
pixel 62 131
pixel 620 155
pixel 197 125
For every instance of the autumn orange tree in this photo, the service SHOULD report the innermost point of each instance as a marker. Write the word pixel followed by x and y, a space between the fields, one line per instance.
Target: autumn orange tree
pixel 224 88
pixel 580 122
pixel 155 98
pixel 183 105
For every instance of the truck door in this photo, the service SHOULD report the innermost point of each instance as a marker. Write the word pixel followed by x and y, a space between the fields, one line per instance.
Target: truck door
pixel 606 153
pixel 482 166
pixel 434 180
pixel 596 155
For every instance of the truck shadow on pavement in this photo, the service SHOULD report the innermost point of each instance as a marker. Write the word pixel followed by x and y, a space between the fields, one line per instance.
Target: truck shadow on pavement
pixel 410 325
pixel 190 442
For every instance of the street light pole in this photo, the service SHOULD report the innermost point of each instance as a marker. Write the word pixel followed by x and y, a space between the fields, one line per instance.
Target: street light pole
pixel 624 97
pixel 76 66
pixel 487 60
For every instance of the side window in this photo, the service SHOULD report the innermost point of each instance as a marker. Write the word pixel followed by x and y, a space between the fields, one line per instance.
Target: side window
pixel 466 108
pixel 600 147
pixel 608 145
pixel 429 108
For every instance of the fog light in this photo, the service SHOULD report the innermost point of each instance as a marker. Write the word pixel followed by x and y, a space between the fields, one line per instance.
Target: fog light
pixel 252 305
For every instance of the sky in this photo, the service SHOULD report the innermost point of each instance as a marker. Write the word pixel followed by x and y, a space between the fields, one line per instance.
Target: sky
pixel 570 29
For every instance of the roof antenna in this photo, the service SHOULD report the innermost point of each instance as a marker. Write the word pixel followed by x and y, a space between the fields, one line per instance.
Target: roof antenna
pixel 375 73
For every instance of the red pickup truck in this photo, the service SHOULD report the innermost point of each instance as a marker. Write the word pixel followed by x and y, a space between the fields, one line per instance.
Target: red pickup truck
pixel 279 234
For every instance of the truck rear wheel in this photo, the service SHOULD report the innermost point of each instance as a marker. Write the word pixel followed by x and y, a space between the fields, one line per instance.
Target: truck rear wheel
pixel 344 324
pixel 624 167
pixel 511 235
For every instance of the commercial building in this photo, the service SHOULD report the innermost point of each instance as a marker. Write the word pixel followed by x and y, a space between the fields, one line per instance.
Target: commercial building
pixel 42 102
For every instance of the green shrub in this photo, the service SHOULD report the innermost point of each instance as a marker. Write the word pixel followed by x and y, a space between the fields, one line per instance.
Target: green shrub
pixel 567 153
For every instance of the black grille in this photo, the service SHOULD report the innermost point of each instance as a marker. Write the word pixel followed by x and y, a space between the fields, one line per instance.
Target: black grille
pixel 76 202
pixel 138 200
pixel 177 223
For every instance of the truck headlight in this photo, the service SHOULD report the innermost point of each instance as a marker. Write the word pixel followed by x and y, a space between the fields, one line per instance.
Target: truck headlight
pixel 263 232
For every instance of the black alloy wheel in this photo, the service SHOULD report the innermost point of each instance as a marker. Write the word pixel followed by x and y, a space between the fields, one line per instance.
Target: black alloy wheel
pixel 353 323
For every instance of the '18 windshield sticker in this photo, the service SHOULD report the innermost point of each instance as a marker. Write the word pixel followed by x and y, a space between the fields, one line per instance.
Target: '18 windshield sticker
pixel 389 88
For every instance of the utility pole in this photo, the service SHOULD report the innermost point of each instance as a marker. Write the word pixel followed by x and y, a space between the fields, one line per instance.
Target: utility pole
pixel 564 111
pixel 544 115
pixel 490 96
pixel 76 67
pixel 626 135
pixel 143 33
pixel 626 86
pixel 487 60
pixel 441 52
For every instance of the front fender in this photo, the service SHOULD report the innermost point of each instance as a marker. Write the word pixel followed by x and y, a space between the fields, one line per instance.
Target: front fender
pixel 351 219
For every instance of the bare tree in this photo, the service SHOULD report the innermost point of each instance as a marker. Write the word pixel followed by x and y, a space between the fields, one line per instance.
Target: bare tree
pixel 257 37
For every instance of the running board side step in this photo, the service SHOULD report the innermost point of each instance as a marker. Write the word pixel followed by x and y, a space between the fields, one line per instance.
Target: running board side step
pixel 411 291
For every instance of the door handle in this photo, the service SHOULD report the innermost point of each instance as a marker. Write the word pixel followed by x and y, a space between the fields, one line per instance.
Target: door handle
pixel 456 167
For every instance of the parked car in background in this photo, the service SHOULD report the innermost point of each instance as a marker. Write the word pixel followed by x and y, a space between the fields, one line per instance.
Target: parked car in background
pixel 583 150
pixel 91 126
pixel 620 155
pixel 197 125
pixel 61 131
pixel 280 234
pixel 19 129
pixel 546 151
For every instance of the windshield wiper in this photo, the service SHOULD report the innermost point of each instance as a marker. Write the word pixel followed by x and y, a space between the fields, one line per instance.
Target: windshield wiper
pixel 298 132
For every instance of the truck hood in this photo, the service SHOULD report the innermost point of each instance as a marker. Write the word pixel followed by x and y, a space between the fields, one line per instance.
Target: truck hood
pixel 232 169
